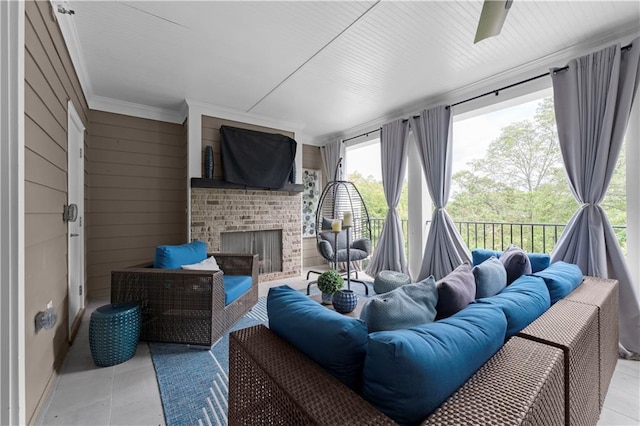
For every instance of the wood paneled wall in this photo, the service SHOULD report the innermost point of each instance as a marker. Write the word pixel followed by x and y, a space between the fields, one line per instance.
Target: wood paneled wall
pixel 311 159
pixel 138 178
pixel 50 81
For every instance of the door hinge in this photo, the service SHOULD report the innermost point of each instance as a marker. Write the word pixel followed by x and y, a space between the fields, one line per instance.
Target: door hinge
pixel 80 223
pixel 80 152
pixel 80 288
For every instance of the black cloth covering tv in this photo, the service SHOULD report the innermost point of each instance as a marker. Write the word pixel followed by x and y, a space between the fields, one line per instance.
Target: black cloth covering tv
pixel 256 159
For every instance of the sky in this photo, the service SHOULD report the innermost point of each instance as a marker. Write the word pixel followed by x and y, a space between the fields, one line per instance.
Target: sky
pixel 471 138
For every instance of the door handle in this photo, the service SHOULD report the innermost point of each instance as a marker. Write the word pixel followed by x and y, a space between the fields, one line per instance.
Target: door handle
pixel 75 235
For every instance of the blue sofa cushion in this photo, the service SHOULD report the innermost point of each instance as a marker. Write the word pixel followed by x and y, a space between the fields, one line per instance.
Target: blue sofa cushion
pixel 539 261
pixel 455 291
pixel 522 302
pixel 516 263
pixel 235 286
pixel 561 279
pixel 491 277
pixel 335 342
pixel 409 373
pixel 173 257
pixel 404 307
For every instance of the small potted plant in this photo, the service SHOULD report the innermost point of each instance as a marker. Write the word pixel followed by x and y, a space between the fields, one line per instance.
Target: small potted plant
pixel 329 282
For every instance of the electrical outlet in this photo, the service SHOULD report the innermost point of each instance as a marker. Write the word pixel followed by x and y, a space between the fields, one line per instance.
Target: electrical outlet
pixel 46 319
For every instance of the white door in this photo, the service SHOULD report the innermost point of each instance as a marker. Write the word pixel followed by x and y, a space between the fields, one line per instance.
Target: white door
pixel 75 225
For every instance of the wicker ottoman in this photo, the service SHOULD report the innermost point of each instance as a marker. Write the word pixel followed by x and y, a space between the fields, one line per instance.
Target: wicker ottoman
pixel 114 331
pixel 386 281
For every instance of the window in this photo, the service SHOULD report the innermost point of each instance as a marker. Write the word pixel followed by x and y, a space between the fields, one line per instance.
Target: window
pixel 509 183
pixel 364 169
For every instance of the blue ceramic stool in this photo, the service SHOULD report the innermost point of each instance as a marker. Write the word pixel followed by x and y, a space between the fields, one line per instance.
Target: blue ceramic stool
pixel 387 281
pixel 114 331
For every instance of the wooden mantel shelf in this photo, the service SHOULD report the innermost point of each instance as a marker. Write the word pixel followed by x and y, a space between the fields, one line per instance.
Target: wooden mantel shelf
pixel 221 184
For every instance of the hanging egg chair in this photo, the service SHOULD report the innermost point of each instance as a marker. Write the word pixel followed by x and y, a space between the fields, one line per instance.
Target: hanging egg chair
pixel 343 229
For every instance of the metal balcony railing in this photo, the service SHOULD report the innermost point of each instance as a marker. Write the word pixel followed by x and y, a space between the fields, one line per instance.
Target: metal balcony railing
pixel 532 237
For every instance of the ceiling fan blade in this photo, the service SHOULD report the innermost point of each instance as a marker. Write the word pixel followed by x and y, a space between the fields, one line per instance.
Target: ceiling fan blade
pixel 492 17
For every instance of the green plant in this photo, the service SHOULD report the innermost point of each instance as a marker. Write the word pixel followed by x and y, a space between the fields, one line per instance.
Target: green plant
pixel 330 281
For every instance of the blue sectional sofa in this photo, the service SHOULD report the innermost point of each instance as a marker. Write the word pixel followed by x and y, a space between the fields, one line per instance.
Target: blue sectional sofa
pixel 463 369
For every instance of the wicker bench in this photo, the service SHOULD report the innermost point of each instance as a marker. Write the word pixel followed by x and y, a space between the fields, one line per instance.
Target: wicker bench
pixel 186 306
pixel 538 377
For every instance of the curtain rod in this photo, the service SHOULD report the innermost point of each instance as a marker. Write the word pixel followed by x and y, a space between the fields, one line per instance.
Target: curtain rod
pixel 492 92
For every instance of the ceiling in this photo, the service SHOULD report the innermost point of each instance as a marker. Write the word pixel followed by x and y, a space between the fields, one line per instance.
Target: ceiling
pixel 324 67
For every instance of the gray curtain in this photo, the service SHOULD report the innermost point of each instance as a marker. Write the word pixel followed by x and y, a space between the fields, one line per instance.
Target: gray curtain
pixel 444 249
pixel 389 252
pixel 593 100
pixel 331 154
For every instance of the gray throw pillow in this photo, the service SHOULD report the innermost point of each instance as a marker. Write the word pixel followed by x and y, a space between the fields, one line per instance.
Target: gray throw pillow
pixel 404 307
pixel 455 291
pixel 516 263
pixel 491 277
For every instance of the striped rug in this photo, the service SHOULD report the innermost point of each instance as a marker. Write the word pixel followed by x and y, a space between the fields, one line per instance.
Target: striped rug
pixel 194 382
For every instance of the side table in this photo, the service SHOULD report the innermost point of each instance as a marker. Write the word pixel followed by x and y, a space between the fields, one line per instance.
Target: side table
pixel 114 331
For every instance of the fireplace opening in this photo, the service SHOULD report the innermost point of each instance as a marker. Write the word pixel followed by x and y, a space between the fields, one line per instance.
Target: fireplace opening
pixel 266 244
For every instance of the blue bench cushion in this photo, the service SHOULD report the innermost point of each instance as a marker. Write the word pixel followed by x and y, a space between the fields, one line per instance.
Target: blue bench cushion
pixel 561 279
pixel 491 277
pixel 173 257
pixel 539 261
pixel 335 342
pixel 409 373
pixel 522 302
pixel 404 307
pixel 235 286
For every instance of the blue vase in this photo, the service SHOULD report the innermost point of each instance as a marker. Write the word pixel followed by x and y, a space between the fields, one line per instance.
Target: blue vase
pixel 208 162
pixel 344 301
pixel 326 298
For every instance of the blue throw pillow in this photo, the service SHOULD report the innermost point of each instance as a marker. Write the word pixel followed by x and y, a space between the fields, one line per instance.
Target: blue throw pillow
pixel 409 373
pixel 479 255
pixel 491 277
pixel 516 262
pixel 455 291
pixel 539 261
pixel 404 307
pixel 335 342
pixel 173 257
pixel 561 279
pixel 522 302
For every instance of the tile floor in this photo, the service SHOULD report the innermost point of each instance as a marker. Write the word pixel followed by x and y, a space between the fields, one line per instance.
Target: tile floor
pixel 127 394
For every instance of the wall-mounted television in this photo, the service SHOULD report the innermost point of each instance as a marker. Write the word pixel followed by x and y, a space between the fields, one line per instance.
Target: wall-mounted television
pixel 256 159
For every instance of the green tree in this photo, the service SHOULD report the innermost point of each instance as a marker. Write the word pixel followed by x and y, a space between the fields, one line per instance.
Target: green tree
pixel 521 179
pixel 372 192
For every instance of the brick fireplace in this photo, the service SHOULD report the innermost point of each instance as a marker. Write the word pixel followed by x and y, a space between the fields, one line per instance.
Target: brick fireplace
pixel 215 211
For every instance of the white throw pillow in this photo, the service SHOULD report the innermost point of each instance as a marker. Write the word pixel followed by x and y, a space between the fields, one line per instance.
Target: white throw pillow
pixel 209 264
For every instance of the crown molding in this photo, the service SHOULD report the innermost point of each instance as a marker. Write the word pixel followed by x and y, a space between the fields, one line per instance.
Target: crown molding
pixel 245 117
pixel 116 106
pixel 70 35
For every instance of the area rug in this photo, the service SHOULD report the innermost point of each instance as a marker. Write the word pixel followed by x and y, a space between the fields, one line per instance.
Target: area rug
pixel 193 382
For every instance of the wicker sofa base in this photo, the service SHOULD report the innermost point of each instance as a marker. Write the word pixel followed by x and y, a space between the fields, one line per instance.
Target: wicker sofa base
pixel 186 306
pixel 543 376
